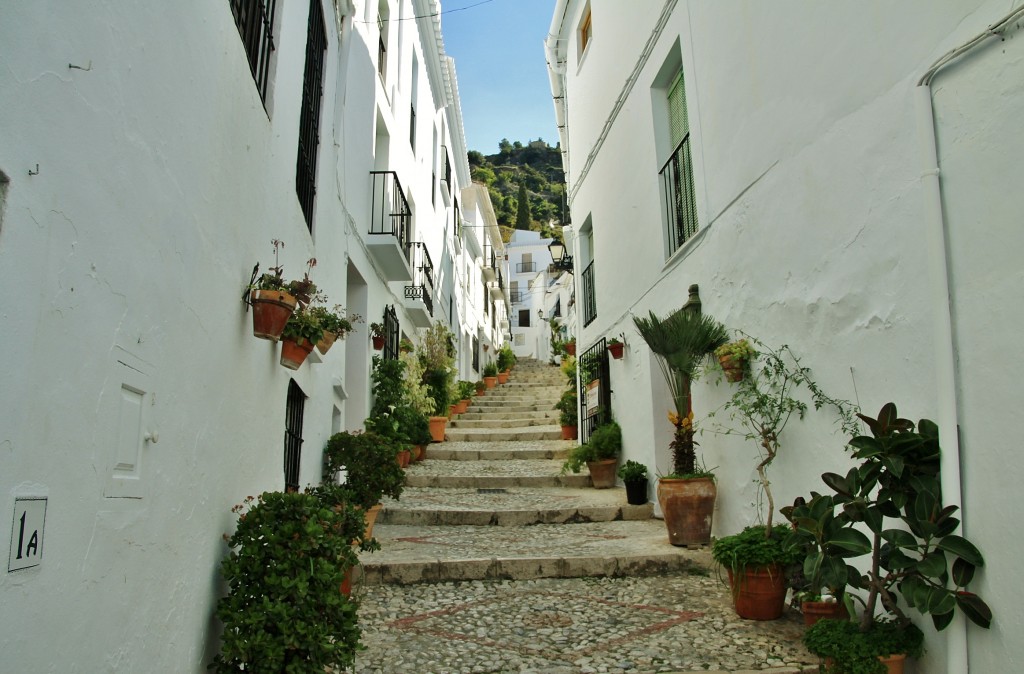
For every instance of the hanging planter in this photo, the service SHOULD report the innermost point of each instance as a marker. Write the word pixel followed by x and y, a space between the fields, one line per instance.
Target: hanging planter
pixel 301 333
pixel 270 312
pixel 733 357
pixel 377 335
pixel 570 347
pixel 615 347
pixel 335 323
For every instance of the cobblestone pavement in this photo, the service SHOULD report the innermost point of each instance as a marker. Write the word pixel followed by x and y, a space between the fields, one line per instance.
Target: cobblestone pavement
pixel 675 623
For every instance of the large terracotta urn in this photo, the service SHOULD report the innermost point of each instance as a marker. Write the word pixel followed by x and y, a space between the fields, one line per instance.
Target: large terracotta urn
pixel 688 505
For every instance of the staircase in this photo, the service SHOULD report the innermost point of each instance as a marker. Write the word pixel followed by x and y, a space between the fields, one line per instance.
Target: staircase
pixel 491 503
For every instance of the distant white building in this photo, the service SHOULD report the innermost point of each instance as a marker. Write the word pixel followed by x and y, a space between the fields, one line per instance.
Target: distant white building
pixel 786 158
pixel 147 161
pixel 539 294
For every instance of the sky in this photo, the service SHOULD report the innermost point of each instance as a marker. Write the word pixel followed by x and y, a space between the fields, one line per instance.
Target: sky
pixel 498 47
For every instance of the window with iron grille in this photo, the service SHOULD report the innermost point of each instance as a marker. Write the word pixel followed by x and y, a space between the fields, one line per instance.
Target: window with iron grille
pixel 309 119
pixel 255 21
pixel 458 219
pixel 677 173
pixel 382 43
pixel 293 435
pixel 524 318
pixel 589 295
pixel 476 354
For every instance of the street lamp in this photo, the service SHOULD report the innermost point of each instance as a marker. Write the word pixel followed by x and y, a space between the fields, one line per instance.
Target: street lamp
pixel 559 260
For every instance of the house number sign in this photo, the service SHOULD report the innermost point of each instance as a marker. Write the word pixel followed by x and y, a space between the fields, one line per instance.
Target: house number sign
pixel 27 533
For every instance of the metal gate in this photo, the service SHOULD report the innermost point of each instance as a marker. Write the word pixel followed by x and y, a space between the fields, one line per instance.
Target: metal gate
pixel 595 392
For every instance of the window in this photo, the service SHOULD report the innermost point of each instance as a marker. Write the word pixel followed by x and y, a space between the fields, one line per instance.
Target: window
pixel 412 102
pixel 527 265
pixel 524 318
pixel 255 21
pixel 293 436
pixel 586 32
pixel 309 119
pixel 677 173
pixel 382 44
pixel 392 333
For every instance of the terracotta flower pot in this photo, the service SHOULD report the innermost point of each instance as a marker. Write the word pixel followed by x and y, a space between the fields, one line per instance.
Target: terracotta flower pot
pixel 602 473
pixel 759 593
pixel 688 505
pixel 616 350
pixel 462 406
pixel 403 458
pixel 503 377
pixel 270 312
pixel 293 353
pixel 490 382
pixel 346 582
pixel 417 452
pixel 371 519
pixel 733 368
pixel 819 610
pixel 437 426
pixel 571 349
pixel 570 432
pixel 326 342
pixel 378 342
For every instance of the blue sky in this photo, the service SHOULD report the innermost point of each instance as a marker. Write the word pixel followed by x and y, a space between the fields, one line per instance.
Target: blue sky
pixel 498 47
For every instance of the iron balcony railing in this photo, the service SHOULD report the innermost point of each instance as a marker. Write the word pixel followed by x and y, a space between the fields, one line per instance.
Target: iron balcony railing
pixel 525 267
pixel 680 202
pixel 390 212
pixel 589 295
pixel 422 276
pixel 517 296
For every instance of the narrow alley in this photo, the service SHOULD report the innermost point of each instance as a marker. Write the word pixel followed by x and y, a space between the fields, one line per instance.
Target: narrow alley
pixel 495 561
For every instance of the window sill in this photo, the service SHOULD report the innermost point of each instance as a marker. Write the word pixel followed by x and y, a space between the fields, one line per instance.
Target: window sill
pixel 684 250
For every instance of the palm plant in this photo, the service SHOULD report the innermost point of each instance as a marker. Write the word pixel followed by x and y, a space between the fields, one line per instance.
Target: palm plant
pixel 681 342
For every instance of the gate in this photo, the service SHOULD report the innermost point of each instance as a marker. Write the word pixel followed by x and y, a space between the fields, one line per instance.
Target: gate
pixel 595 392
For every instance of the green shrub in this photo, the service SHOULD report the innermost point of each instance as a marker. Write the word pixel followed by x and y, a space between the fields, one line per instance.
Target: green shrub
pixel 855 651
pixel 568 405
pixel 633 471
pixel 606 441
pixel 752 547
pixel 369 463
pixel 284 611
pixel 490 370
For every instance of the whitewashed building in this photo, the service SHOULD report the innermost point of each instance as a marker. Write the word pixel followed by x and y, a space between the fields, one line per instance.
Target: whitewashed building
pixel 839 177
pixel 148 156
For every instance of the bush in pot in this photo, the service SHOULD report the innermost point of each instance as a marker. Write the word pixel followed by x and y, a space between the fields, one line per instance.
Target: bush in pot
pixel 368 460
pixel 568 409
pixel 756 560
pixel 898 479
pixel 301 333
pixel 634 475
pixel 284 611
pixel 600 454
pixel 681 342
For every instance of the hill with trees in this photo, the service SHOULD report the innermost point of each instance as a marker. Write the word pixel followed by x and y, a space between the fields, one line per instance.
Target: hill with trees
pixel 526 184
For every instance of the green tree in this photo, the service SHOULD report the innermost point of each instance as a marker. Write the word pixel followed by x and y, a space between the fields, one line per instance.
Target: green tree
pixel 523 208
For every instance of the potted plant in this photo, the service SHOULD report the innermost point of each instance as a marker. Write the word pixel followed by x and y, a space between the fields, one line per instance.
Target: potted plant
pixel 284 609
pixel 819 584
pixel 371 471
pixel 437 356
pixel 466 389
pixel 898 479
pixel 569 346
pixel 755 560
pixel 270 299
pixel 568 408
pixel 480 387
pixel 304 289
pixel 490 375
pixel 377 335
pixel 680 342
pixel 335 324
pixel 734 357
pixel 848 649
pixel 634 475
pixel 405 345
pixel 600 453
pixel 302 331
pixel 616 347
pixel 506 359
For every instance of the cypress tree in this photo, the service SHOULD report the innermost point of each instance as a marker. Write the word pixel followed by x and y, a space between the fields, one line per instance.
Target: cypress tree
pixel 523 209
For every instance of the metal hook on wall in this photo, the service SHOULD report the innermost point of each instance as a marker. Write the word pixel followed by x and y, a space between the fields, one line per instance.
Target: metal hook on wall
pixel 34 173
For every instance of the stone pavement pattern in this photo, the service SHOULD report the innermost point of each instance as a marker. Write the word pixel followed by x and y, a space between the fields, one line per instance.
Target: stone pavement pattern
pixel 492 561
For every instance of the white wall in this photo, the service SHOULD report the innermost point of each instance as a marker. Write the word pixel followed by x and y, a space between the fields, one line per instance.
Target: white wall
pixel 161 181
pixel 813 223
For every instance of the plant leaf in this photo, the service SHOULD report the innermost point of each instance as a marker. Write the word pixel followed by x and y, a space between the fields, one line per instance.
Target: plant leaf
pixel 962 548
pixel 942 620
pixel 975 609
pixel 851 540
pixel 963 572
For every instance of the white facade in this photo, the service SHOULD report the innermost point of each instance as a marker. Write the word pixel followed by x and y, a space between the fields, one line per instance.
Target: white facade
pixel 138 187
pixel 822 224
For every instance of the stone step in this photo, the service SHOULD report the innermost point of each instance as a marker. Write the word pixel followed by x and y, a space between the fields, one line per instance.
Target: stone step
pixel 485 416
pixel 436 554
pixel 498 451
pixel 550 432
pixel 481 474
pixel 499 423
pixel 512 507
pixel 508 409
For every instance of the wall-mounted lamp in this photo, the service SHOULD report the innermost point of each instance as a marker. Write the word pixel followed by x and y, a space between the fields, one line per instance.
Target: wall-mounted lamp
pixel 559 260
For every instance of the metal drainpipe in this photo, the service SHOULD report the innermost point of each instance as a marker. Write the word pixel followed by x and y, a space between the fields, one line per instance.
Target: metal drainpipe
pixel 945 357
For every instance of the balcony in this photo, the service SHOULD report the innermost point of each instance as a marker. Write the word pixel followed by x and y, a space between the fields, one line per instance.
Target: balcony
pixel 497 287
pixel 677 190
pixel 419 296
pixel 490 263
pixel 526 267
pixel 589 295
pixel 390 216
pixel 517 296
